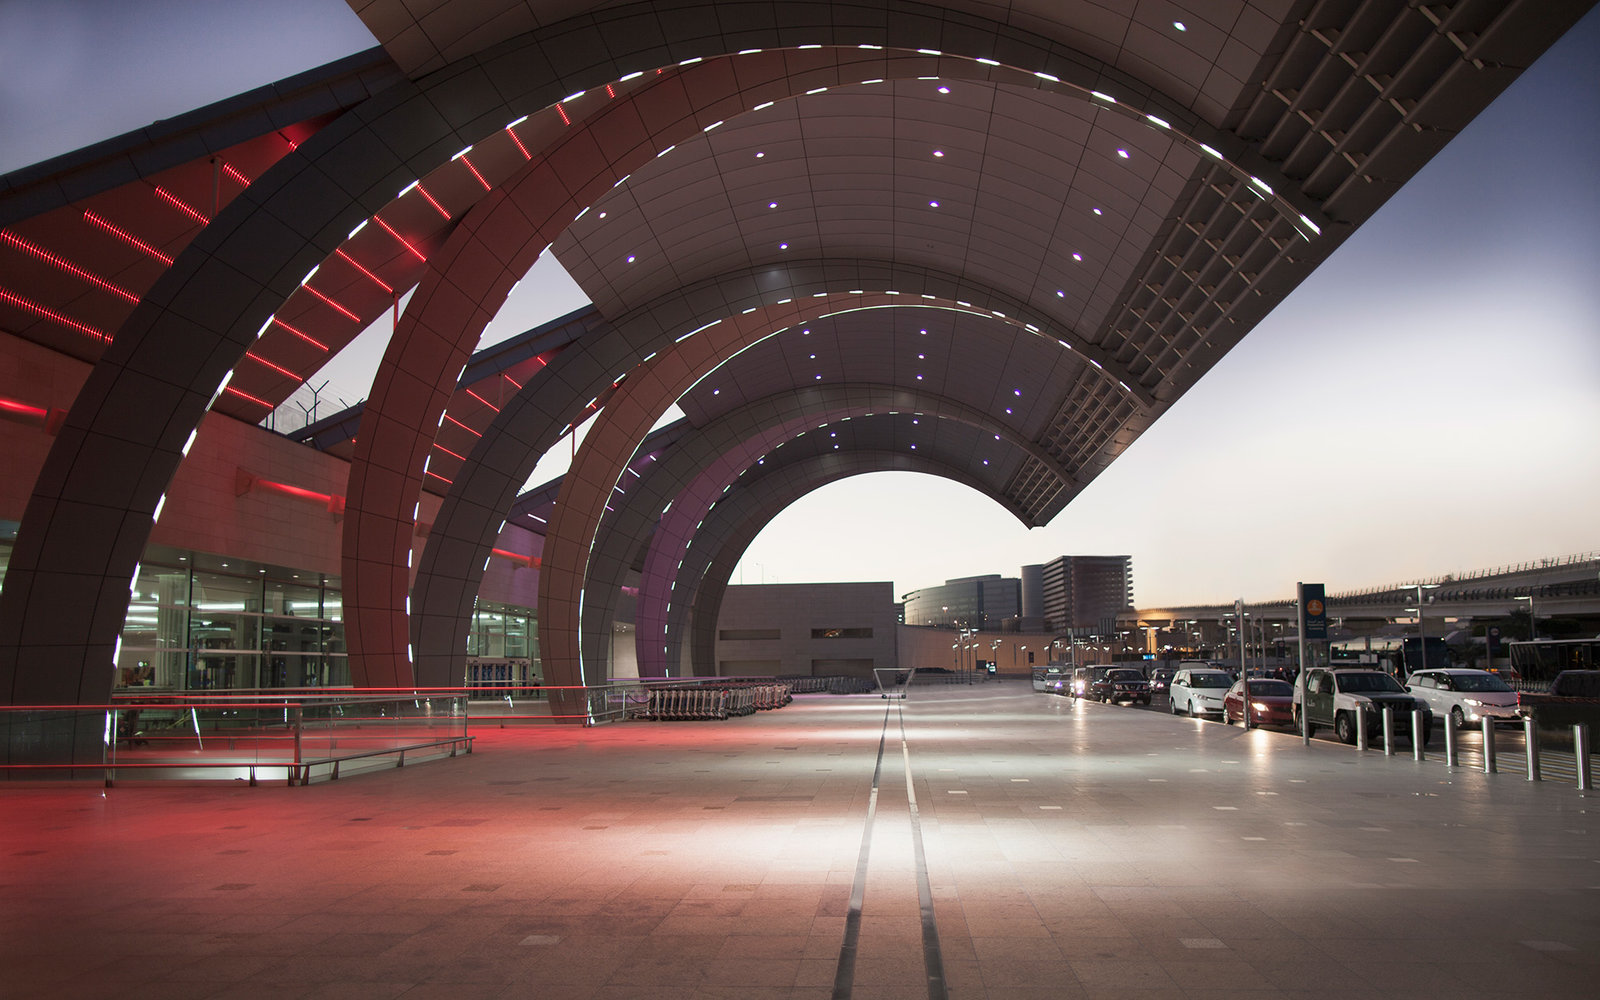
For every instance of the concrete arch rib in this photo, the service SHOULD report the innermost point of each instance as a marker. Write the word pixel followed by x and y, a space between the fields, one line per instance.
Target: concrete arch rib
pixel 697 469
pixel 490 250
pixel 729 529
pixel 724 315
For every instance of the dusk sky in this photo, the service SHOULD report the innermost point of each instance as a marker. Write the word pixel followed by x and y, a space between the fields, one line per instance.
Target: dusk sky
pixel 1426 403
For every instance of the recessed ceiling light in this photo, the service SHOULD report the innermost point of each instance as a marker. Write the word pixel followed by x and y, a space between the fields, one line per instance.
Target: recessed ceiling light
pixel 938 152
pixel 1098 212
pixel 783 246
pixel 813 357
pixel 1180 25
pixel 1122 153
pixel 913 447
pixel 1016 392
pixel 630 258
pixel 924 333
pixel 933 204
pixel 944 90
pixel 1077 256
pixel 919 378
pixel 772 204
pixel 986 461
pixel 603 215
pixel 760 155
pixel 805 333
pixel 922 357
pixel 1008 409
pixel 1061 293
pixel 819 377
pixel 716 392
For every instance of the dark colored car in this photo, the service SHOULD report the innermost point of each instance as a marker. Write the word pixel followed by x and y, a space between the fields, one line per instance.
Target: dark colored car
pixel 1121 684
pixel 1160 679
pixel 1271 702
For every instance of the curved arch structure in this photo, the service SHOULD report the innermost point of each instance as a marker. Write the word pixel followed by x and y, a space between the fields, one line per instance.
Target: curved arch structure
pixel 731 526
pixel 1222 187
pixel 703 465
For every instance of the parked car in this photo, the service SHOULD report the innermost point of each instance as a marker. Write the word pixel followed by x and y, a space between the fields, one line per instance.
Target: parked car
pixel 1333 697
pixel 1271 702
pixel 1082 677
pixel 1161 679
pixel 1121 684
pixel 1465 696
pixel 1199 691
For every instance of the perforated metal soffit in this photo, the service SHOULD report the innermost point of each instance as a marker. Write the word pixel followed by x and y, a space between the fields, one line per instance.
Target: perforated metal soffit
pixel 1129 245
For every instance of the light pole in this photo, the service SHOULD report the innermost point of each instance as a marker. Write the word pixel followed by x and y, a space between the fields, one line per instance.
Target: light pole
pixel 1533 629
pixel 1422 636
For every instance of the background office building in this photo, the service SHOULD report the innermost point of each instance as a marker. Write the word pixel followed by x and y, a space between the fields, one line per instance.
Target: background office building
pixel 1086 592
pixel 976 602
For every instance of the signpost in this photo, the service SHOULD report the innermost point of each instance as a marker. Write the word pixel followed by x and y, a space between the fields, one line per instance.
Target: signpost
pixel 1311 604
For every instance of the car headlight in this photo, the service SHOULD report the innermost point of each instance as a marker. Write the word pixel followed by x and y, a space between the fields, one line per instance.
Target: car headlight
pixel 1258 706
pixel 1471 701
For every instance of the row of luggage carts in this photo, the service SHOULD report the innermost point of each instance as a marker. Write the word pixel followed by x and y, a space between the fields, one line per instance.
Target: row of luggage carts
pixel 720 702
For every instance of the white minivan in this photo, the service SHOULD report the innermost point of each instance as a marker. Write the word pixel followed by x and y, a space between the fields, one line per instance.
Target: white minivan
pixel 1199 690
pixel 1466 696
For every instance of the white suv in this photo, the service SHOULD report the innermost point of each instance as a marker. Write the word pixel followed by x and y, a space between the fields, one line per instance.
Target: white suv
pixel 1199 691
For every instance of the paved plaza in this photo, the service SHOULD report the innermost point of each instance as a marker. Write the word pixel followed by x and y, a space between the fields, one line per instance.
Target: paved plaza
pixel 1067 849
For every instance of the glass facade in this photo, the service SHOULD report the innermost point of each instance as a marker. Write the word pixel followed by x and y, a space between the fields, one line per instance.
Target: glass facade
pixel 503 647
pixel 208 629
pixel 200 623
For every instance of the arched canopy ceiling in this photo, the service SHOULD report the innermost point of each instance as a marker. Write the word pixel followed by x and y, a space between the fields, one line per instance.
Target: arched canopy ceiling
pixel 1261 132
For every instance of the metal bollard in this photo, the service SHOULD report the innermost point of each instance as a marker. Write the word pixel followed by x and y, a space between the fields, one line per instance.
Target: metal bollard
pixel 1418 732
pixel 1531 737
pixel 1451 758
pixel 1388 730
pixel 1489 766
pixel 1361 729
pixel 1580 751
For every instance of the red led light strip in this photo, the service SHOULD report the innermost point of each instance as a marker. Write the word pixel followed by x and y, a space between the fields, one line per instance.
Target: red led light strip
pixel 181 205
pixel 475 173
pixel 375 279
pixel 609 92
pixel 463 426
pixel 314 342
pixel 246 395
pixel 332 303
pixel 403 241
pixel 528 561
pixel 126 237
pixel 244 482
pixel 485 402
pixel 441 479
pixel 563 112
pixel 22 409
pixel 447 451
pixel 520 147
pixel 233 172
pixel 65 265
pixel 513 381
pixel 437 207
pixel 21 303
pixel 277 368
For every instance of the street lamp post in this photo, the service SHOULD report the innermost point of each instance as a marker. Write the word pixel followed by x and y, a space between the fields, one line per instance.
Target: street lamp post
pixel 1422 635
pixel 1533 622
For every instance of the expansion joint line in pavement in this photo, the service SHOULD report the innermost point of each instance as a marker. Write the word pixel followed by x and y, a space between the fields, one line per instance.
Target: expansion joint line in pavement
pixel 932 959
